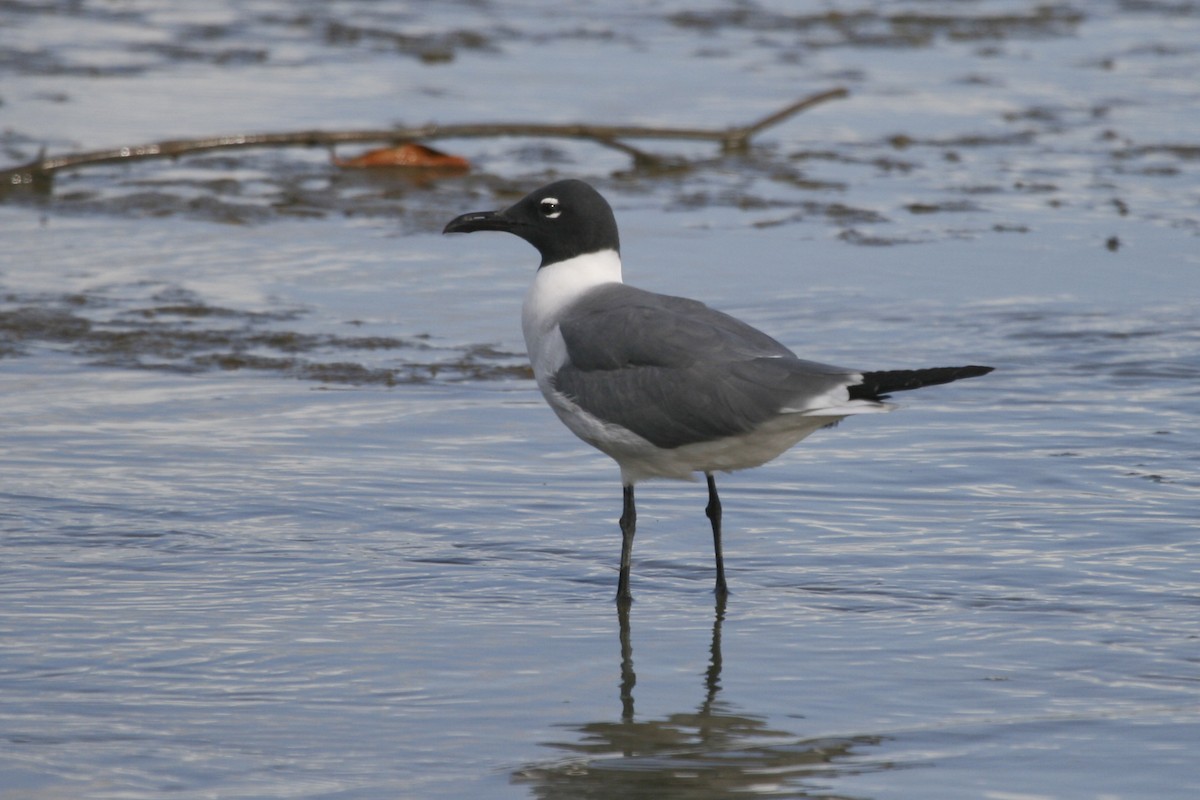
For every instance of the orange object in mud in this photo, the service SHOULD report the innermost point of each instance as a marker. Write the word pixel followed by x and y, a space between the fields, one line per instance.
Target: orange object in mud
pixel 409 154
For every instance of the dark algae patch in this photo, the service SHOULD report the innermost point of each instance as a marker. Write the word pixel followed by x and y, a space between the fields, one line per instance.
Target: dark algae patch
pixel 194 337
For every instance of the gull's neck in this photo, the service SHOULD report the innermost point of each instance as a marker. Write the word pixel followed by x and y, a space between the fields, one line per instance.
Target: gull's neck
pixel 557 286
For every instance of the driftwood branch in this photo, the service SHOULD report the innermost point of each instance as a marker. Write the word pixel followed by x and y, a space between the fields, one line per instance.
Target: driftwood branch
pixel 41 169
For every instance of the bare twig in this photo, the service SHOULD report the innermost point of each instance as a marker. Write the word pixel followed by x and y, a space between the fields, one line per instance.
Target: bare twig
pixel 40 170
pixel 740 137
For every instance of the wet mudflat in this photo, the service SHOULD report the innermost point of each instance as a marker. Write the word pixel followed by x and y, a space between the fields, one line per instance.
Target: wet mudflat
pixel 282 514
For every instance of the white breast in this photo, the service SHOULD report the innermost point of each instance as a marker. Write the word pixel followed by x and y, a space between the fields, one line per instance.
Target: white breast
pixel 555 288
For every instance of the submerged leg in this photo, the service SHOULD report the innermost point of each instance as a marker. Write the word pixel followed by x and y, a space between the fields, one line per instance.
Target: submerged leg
pixel 713 511
pixel 628 528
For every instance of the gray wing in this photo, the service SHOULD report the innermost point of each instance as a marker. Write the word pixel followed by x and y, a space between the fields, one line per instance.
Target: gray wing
pixel 674 371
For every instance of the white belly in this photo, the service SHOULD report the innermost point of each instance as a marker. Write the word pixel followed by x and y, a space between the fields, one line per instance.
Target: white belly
pixel 639 459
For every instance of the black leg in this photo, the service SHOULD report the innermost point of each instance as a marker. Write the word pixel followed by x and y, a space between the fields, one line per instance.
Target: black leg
pixel 628 676
pixel 628 528
pixel 713 511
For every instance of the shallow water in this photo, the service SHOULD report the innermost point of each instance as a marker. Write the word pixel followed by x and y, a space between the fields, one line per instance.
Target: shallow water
pixel 283 515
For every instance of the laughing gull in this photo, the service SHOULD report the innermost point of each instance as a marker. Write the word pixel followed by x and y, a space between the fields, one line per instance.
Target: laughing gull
pixel 666 386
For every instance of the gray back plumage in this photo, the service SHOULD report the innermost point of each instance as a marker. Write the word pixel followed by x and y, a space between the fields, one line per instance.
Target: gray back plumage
pixel 675 371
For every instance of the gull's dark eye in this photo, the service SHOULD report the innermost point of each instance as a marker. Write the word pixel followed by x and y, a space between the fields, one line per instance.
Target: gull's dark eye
pixel 550 208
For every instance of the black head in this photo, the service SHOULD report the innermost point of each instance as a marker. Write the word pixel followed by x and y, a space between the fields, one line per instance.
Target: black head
pixel 562 220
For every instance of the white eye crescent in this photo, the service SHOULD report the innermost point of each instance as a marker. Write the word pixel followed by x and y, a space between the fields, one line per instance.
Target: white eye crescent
pixel 550 208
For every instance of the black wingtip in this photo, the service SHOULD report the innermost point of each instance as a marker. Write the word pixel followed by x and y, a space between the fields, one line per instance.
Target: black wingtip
pixel 877 385
pixel 971 371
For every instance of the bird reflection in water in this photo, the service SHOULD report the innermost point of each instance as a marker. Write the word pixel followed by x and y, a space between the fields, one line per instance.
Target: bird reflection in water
pixel 711 752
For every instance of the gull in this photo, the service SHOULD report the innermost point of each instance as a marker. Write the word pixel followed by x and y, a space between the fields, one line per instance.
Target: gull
pixel 665 386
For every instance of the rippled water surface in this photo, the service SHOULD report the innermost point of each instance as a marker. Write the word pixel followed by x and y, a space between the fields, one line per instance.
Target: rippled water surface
pixel 282 514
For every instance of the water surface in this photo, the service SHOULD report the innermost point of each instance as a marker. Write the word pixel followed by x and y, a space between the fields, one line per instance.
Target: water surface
pixel 282 514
